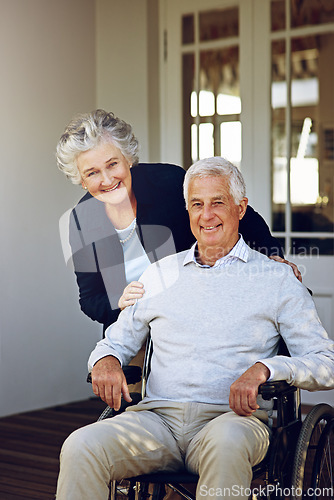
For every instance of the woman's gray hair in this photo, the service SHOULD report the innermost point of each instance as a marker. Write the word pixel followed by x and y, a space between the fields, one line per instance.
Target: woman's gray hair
pixel 85 132
pixel 217 166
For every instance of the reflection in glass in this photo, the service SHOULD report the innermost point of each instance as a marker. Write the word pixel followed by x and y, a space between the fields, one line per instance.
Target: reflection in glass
pixel 279 138
pixel 219 70
pixel 215 24
pixel 211 90
pixel 193 104
pixel 309 192
pixel 230 141
pixel 206 103
pixel 189 102
pixel 312 246
pixel 311 98
pixel 194 144
pixel 311 12
pixel 277 15
pixel 188 29
pixel 228 104
pixel 206 145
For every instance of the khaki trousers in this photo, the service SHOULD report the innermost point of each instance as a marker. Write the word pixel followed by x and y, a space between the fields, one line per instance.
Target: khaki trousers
pixel 151 436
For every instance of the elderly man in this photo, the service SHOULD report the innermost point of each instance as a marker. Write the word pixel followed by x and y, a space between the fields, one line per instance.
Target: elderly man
pixel 215 314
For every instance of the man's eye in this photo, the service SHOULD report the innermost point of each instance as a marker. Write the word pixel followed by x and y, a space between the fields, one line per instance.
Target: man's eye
pixel 91 173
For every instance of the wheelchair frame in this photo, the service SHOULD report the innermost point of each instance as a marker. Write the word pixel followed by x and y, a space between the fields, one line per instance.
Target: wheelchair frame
pixel 299 463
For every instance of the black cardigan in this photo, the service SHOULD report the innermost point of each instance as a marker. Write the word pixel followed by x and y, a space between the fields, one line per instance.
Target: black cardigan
pixel 162 226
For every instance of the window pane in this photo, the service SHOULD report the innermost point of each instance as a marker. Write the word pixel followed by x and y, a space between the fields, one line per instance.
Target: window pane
pixel 219 78
pixel 188 29
pixel 312 246
pixel 194 142
pixel 230 137
pixel 228 104
pixel 328 142
pixel 215 24
pixel 189 103
pixel 279 138
pixel 206 145
pixel 277 15
pixel 311 12
pixel 312 106
pixel 193 104
pixel 206 103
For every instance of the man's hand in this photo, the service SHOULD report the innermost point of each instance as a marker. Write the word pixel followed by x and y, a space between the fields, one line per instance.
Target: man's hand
pixel 108 382
pixel 132 292
pixel 244 390
pixel 295 269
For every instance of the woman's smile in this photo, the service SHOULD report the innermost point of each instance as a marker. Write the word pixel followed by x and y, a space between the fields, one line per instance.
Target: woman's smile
pixel 104 172
pixel 107 190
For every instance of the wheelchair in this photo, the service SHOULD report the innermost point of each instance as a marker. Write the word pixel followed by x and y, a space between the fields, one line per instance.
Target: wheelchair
pixel 299 463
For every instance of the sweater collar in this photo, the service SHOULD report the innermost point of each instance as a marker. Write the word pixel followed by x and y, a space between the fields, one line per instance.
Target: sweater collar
pixel 240 251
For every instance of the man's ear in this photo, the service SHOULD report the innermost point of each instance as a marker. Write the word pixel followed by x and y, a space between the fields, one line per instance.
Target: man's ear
pixel 242 207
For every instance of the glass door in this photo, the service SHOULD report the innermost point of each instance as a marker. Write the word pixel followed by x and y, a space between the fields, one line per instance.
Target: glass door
pixel 201 90
pixel 253 80
pixel 302 138
pixel 211 85
pixel 302 104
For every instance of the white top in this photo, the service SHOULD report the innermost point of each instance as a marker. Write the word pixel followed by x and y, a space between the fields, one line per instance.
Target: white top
pixel 135 257
pixel 239 251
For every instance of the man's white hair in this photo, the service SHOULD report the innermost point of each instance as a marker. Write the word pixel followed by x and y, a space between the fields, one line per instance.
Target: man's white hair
pixel 219 167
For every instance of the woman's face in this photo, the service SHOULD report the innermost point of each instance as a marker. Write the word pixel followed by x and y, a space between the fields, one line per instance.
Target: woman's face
pixel 105 172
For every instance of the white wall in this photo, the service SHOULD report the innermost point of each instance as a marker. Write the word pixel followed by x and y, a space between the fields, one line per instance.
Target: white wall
pixel 47 61
pixel 122 63
pixel 58 58
pixel 127 67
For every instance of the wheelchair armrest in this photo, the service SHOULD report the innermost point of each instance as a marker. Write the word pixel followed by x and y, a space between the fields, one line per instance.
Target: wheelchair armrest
pixel 132 374
pixel 269 390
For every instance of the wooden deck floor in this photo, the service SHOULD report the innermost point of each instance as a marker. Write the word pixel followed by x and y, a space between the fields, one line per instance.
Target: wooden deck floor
pixel 30 444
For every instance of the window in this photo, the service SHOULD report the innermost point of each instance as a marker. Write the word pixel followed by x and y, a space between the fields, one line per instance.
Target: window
pixel 211 90
pixel 302 105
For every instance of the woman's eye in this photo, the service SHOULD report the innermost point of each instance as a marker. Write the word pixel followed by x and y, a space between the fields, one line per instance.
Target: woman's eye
pixel 91 173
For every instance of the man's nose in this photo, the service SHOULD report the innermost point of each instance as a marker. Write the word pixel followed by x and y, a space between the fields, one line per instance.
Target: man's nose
pixel 207 212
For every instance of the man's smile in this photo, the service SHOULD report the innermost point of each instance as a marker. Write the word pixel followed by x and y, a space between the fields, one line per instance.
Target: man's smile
pixel 210 228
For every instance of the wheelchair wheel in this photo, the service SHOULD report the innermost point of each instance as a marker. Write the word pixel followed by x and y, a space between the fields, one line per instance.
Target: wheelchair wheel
pixel 107 413
pixel 323 467
pixel 313 469
pixel 119 490
pixel 146 491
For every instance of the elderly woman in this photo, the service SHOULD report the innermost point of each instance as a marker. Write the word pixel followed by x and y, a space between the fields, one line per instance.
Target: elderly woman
pixel 132 214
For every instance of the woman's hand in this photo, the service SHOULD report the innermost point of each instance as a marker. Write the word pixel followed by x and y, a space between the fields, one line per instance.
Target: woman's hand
pixel 295 269
pixel 132 292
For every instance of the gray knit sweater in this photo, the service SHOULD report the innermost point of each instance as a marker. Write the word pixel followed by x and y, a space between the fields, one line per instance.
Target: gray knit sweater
pixel 209 325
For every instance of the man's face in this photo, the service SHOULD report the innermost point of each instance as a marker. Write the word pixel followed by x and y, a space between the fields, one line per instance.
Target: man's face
pixel 214 216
